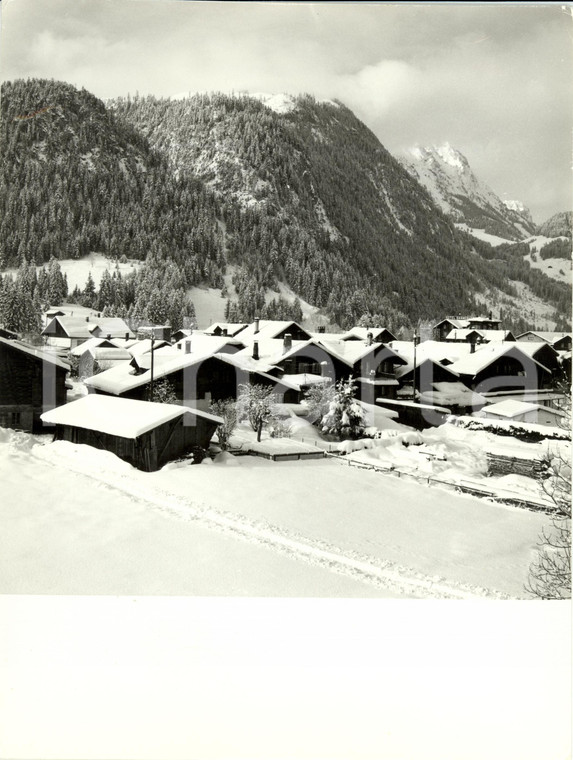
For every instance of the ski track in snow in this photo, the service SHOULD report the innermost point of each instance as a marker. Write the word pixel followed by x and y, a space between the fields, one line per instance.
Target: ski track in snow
pixel 367 569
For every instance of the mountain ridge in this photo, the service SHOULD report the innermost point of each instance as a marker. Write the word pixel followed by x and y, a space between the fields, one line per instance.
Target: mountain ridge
pixel 446 173
pixel 306 196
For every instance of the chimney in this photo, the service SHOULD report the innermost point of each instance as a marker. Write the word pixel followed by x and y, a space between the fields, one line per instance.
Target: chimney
pixel 187 346
pixel 127 336
pixel 256 349
pixel 491 315
pixel 321 329
pixel 87 319
pixel 108 336
pixel 224 332
pixel 256 325
pixel 287 343
pixel 369 339
pixel 472 347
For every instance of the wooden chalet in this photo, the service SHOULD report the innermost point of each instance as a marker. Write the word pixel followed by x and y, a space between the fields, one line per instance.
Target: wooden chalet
pixel 69 332
pixel 263 329
pixel 560 341
pixel 147 435
pixel 376 334
pixel 522 411
pixel 442 329
pixel 198 377
pixel 31 382
pixel 304 362
pixel 501 366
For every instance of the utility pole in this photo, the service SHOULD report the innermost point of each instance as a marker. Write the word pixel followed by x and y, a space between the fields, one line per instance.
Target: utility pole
pixel 414 378
pixel 152 346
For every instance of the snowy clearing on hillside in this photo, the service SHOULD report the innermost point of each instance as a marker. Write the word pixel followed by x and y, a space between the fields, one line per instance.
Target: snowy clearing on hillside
pixel 79 520
pixel 558 269
pixel 483 235
pixel 210 304
pixel 77 270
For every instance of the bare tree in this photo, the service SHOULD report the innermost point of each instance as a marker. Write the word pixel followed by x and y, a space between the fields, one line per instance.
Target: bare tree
pixel 550 572
pixel 227 409
pixel 255 403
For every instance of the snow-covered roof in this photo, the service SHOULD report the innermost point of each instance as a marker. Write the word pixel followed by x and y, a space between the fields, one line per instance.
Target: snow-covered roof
pixel 458 323
pixel 232 328
pixel 140 347
pixel 377 382
pixel 36 353
pixel 90 344
pixel 113 326
pixel 305 378
pixel 511 408
pixel 167 360
pixel 119 416
pixel 271 351
pixel 548 337
pixel 486 335
pixel 429 350
pixel 532 347
pixel 326 336
pixel 268 328
pixel 202 343
pixel 80 327
pixel 110 354
pixel 472 364
pixel 352 351
pixel 362 333
pixel 242 363
pixel 453 393
pixel 411 405
pixel 73 310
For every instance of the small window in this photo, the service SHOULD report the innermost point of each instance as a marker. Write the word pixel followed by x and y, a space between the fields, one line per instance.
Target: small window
pixel 15 419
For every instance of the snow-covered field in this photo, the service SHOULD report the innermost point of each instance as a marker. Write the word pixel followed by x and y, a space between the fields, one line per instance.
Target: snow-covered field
pixel 483 235
pixel 210 305
pixel 558 269
pixel 75 520
pixel 77 270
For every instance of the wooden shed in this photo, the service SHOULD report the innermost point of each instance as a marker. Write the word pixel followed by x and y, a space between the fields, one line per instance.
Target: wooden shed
pixel 145 434
pixel 31 382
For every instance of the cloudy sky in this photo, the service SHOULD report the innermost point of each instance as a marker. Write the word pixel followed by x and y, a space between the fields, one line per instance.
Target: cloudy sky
pixel 494 81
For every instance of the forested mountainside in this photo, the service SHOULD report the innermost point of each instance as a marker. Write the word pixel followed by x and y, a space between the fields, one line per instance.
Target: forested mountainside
pixel 448 177
pixel 560 224
pixel 301 193
pixel 75 179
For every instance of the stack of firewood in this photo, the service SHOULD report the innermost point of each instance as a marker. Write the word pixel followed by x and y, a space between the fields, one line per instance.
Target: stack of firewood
pixel 501 464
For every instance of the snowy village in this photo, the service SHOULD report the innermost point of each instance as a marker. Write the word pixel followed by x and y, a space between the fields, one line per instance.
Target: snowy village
pixel 424 468
pixel 286 329
pixel 283 339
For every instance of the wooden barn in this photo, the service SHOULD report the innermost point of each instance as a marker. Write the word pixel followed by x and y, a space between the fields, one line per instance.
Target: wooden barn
pixel 145 434
pixel 31 382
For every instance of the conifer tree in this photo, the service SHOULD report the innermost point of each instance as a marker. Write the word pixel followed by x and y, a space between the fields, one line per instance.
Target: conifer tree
pixel 345 417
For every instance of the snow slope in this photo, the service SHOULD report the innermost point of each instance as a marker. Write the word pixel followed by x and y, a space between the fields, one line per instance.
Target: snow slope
pixel 77 270
pixel 78 520
pixel 558 269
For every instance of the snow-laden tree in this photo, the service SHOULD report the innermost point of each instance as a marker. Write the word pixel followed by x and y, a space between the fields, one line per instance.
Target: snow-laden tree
pixel 550 572
pixel 227 410
pixel 163 392
pixel 345 416
pixel 318 398
pixel 255 404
